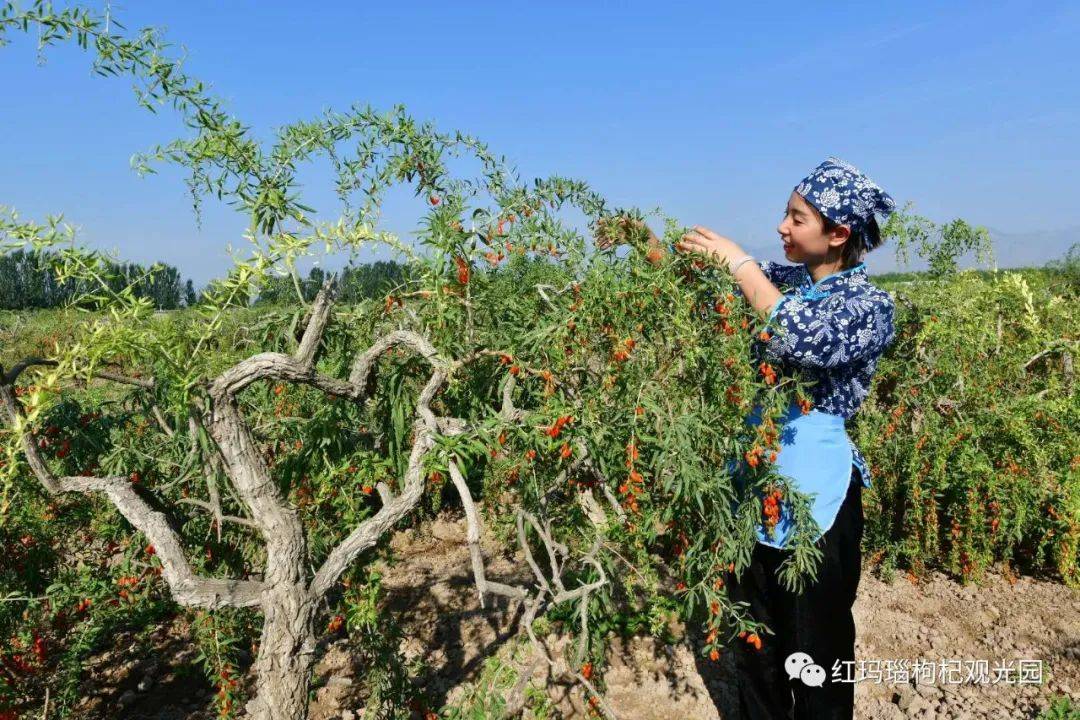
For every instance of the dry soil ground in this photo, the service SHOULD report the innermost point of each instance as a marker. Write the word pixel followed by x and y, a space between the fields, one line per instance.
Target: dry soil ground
pixel 1002 622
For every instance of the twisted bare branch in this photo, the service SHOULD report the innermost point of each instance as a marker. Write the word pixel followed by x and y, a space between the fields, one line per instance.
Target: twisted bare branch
pixel 365 361
pixel 318 317
pixel 369 531
pixel 186 587
pixel 286 368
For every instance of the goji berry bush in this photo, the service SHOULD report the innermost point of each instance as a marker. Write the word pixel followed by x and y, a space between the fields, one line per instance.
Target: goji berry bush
pixel 972 430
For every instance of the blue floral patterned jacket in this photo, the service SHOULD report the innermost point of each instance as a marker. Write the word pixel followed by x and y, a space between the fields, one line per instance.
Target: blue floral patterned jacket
pixel 834 330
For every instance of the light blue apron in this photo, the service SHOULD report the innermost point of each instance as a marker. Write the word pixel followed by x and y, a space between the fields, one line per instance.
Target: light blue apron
pixel 816 453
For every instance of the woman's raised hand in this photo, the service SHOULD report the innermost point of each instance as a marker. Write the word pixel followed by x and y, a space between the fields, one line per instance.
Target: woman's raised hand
pixel 706 242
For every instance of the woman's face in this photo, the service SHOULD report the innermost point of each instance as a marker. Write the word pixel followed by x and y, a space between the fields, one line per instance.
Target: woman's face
pixel 804 236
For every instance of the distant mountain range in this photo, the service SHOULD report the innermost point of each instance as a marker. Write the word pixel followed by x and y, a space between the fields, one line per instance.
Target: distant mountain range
pixel 1011 250
pixel 1032 248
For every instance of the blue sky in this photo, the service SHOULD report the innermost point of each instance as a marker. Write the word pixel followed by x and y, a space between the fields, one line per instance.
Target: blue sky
pixel 712 111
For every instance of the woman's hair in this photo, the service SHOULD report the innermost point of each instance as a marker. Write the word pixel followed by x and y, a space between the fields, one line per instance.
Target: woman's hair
pixel 852 253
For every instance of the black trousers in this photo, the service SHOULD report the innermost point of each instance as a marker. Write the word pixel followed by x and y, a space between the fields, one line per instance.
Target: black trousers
pixel 817 622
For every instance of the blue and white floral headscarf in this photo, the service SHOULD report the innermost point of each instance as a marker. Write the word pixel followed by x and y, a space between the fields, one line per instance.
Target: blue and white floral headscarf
pixel 847 197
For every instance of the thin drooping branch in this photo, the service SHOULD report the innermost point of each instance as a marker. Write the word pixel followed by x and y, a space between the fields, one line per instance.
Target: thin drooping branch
pixel 549 547
pixel 12 375
pixel 509 413
pixel 524 543
pixel 145 383
pixel 583 606
pixel 209 467
pixel 472 530
pixel 563 595
pixel 162 421
pixel 579 593
pixel 13 412
pixel 214 511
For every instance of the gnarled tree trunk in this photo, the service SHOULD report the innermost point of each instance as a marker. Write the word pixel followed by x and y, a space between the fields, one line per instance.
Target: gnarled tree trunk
pixel 286 655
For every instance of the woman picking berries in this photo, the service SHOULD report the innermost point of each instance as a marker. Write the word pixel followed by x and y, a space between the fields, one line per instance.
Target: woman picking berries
pixel 827 320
